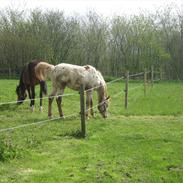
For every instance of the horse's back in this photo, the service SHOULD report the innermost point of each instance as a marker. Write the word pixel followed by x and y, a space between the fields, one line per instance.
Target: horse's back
pixel 74 75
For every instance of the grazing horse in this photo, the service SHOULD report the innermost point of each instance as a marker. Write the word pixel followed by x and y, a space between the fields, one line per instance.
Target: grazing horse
pixel 28 80
pixel 72 76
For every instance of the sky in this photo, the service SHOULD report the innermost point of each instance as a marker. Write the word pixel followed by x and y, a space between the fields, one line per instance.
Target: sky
pixel 103 7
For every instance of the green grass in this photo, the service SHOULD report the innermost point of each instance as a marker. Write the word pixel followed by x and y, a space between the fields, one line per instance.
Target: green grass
pixel 140 144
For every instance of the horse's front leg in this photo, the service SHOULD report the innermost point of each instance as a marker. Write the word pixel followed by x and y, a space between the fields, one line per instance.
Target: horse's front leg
pixel 59 103
pixel 32 98
pixel 29 93
pixel 91 107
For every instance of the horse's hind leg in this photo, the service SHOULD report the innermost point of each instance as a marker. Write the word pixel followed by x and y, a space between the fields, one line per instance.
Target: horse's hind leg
pixel 41 95
pixel 29 93
pixel 59 103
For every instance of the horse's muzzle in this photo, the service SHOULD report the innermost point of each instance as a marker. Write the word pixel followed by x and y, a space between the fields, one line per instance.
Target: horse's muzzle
pixel 105 116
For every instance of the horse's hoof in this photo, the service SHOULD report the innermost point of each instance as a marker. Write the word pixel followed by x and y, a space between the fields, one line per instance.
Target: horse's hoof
pixel 41 109
pixel 62 117
pixel 32 108
pixel 50 117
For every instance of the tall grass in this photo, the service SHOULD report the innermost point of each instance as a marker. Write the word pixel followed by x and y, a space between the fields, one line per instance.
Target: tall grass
pixel 140 144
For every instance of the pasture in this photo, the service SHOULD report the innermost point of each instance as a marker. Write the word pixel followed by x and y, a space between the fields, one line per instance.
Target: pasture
pixel 140 144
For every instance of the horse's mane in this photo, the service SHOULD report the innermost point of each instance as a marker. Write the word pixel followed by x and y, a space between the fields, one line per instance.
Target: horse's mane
pixel 102 90
pixel 21 76
pixel 103 83
pixel 101 78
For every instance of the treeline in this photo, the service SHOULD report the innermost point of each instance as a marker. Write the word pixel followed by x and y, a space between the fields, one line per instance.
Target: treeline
pixel 112 45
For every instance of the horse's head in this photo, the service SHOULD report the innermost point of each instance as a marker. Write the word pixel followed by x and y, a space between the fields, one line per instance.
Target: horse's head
pixel 21 94
pixel 102 107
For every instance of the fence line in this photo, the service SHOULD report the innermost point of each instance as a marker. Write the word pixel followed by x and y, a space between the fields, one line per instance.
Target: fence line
pixel 14 102
pixel 74 114
pixel 71 94
pixel 117 94
pixel 53 119
pixel 64 95
pixel 115 80
pixel 137 74
pixel 45 121
pixel 106 83
pixel 35 123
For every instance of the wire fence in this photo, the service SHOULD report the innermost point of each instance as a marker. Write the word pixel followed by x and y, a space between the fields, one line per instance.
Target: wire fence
pixel 36 123
pixel 66 95
pixel 26 100
pixel 137 74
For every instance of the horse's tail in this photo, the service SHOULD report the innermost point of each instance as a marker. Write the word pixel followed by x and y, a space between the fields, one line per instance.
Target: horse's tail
pixel 43 70
pixel 39 72
pixel 43 86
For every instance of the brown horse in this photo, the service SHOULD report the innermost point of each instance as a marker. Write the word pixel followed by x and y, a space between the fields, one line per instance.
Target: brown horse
pixel 72 76
pixel 28 81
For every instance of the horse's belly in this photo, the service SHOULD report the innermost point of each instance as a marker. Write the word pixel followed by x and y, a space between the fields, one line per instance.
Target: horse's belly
pixel 74 86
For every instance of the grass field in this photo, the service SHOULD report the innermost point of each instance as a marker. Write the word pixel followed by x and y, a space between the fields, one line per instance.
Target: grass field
pixel 140 144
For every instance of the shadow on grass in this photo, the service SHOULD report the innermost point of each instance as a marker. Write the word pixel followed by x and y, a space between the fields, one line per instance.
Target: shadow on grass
pixel 9 107
pixel 74 134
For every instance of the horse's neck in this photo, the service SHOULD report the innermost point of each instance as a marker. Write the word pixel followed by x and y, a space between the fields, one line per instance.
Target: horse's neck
pixel 101 90
pixel 21 82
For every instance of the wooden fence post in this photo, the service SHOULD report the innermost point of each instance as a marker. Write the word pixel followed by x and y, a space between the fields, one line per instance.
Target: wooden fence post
pixel 126 89
pixel 145 82
pixel 82 108
pixel 152 75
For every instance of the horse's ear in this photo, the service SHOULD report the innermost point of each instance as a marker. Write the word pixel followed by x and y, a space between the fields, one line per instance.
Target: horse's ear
pixel 108 98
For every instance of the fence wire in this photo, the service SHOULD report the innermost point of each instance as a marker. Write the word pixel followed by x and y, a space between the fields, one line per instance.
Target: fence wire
pixel 71 115
pixel 64 95
pixel 137 74
pixel 26 100
pixel 37 123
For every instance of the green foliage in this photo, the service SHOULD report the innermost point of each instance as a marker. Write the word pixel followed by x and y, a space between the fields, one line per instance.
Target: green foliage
pixel 111 45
